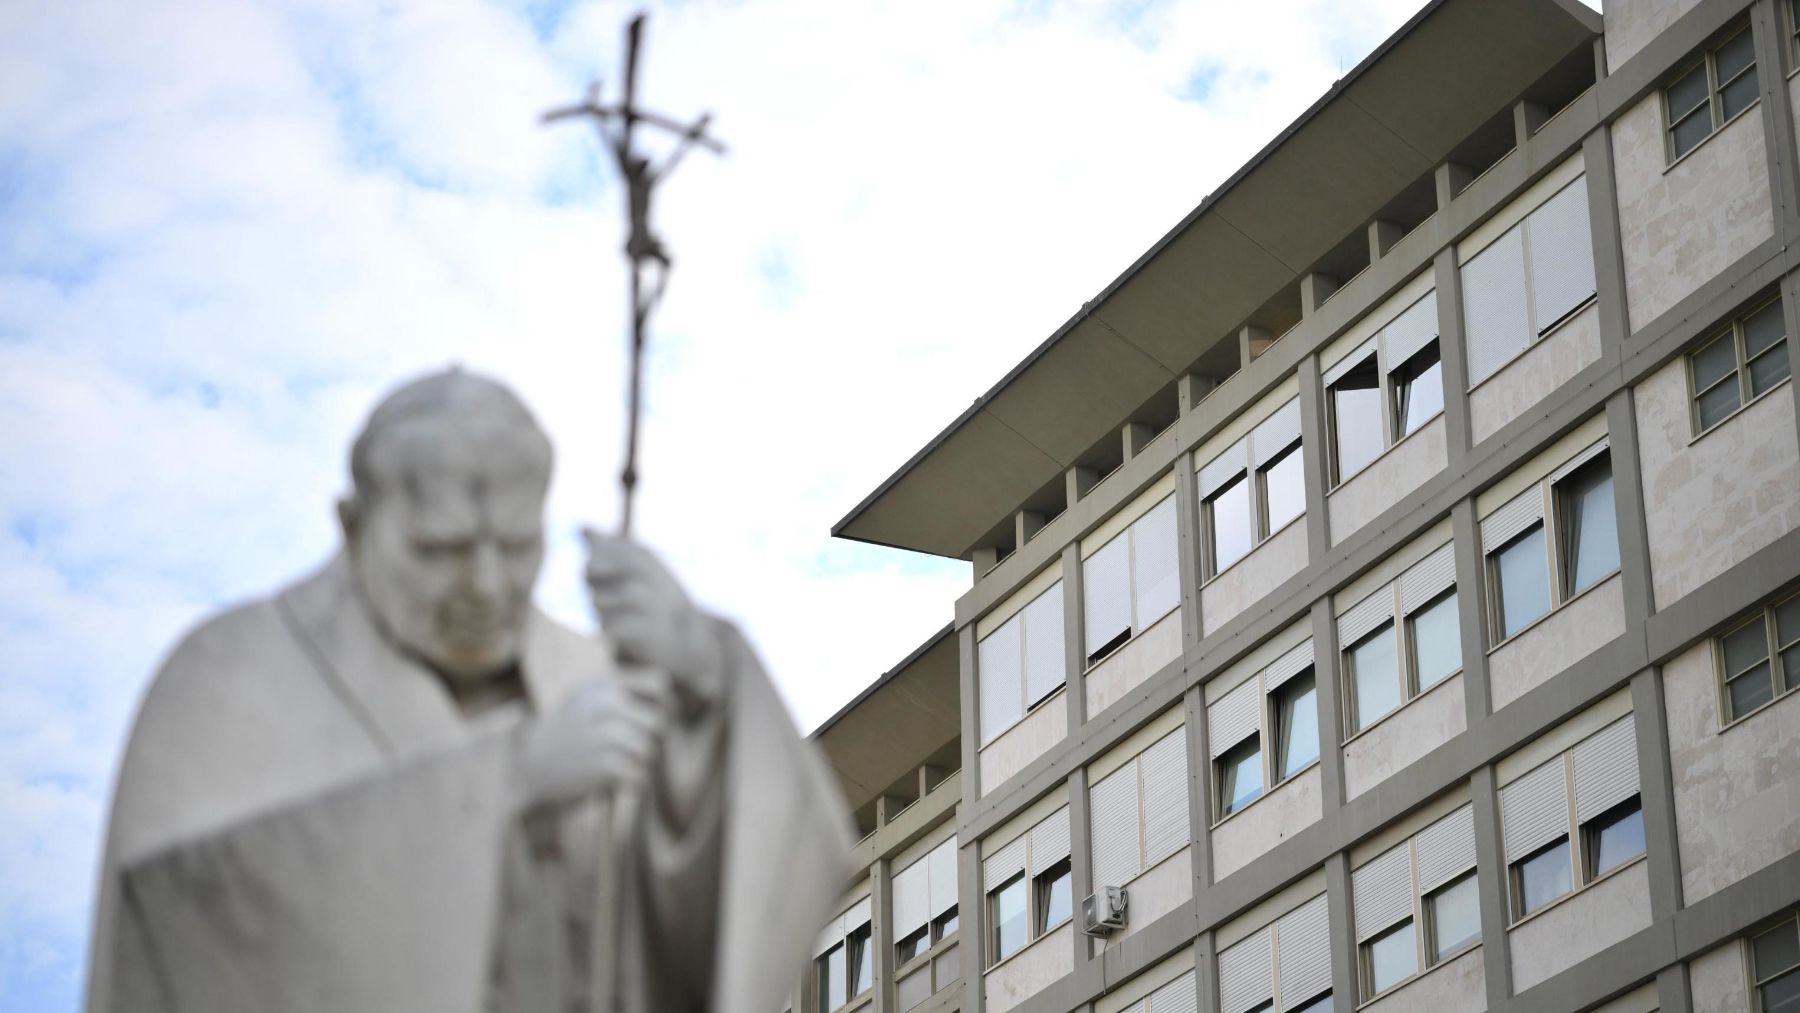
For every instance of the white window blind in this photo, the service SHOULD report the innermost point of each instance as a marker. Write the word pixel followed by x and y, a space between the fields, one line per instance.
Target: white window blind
pixel 1006 862
pixel 1021 662
pixel 1002 697
pixel 1561 252
pixel 1425 579
pixel 1446 849
pixel 1503 524
pixel 1044 666
pixel 1303 936
pixel 1113 807
pixel 1049 841
pixel 1287 666
pixel 838 928
pixel 1413 329
pixel 926 888
pixel 1129 838
pixel 1496 320
pixel 1234 717
pixel 1554 249
pixel 1275 433
pixel 1535 810
pixel 1156 580
pixel 1365 616
pixel 1383 892
pixel 1106 592
pixel 1178 996
pixel 943 877
pixel 1606 769
pixel 1246 974
pixel 1165 774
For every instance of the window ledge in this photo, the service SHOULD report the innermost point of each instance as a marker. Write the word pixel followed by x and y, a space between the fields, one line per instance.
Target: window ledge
pixel 1267 793
pixel 1415 698
pixel 1684 156
pixel 1580 889
pixel 1747 715
pixel 1445 961
pixel 1561 324
pixel 1027 948
pixel 1615 574
pixel 936 951
pixel 1136 635
pixel 1735 412
pixel 1353 476
pixel 1241 560
pixel 1033 709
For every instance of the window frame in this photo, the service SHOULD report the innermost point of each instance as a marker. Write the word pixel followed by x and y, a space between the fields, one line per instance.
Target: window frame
pixel 1097 654
pixel 1222 763
pixel 1373 359
pixel 1428 908
pixel 1410 676
pixel 1027 706
pixel 1566 502
pixel 994 956
pixel 1365 956
pixel 1515 879
pixel 822 976
pixel 1590 838
pixel 1278 728
pixel 1209 529
pixel 1708 59
pixel 1757 976
pixel 1734 332
pixel 1262 525
pixel 1356 723
pixel 1402 389
pixel 1042 885
pixel 1247 461
pixel 1781 681
pixel 859 949
pixel 1554 528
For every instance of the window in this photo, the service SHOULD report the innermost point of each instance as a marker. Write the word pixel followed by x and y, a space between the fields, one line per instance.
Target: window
pixel 1374 678
pixel 1454 914
pixel 862 962
pixel 1320 1005
pixel 1131 581
pixel 1551 542
pixel 923 920
pixel 1252 490
pixel 1521 583
pixel 1590 536
pixel 1372 403
pixel 1228 525
pixel 1746 360
pixel 832 978
pixel 1283 490
pixel 1403 639
pixel 1138 813
pixel 1019 664
pixel 1775 968
pixel 1240 776
pixel 843 967
pixel 1712 90
pixel 1436 640
pixel 1525 283
pixel 1613 838
pixel 1390 958
pixel 1287 961
pixel 945 925
pixel 1006 912
pixel 1541 877
pixel 1356 424
pixel 913 945
pixel 1418 390
pixel 1055 902
pixel 1760 659
pixel 1296 726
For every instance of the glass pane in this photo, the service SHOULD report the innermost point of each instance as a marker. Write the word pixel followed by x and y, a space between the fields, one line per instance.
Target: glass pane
pixel 1750 691
pixel 1781 995
pixel 831 978
pixel 1618 838
pixel 1737 96
pixel 1763 329
pixel 1284 491
pixel 1692 130
pixel 1594 536
pixel 1055 900
pixel 945 926
pixel 1714 362
pixel 1745 646
pixel 1229 514
pixel 1356 419
pixel 862 963
pixel 1376 674
pixel 1392 957
pixel 1240 776
pixel 1437 642
pixel 1419 387
pixel 1776 950
pixel 912 945
pixel 1787 622
pixel 1522 577
pixel 1768 369
pixel 1298 714
pixel 1735 55
pixel 1718 403
pixel 1543 877
pixel 1320 1005
pixel 1009 918
pixel 1455 916
pixel 1688 93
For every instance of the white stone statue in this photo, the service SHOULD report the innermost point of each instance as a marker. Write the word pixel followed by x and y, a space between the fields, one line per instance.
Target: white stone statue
pixel 396 785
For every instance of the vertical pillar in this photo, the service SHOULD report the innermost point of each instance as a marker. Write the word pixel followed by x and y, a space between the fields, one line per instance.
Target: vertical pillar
pixel 1673 993
pixel 1134 436
pixel 1081 859
pixel 1603 235
pixel 880 934
pixel 1453 353
pixel 1778 117
pixel 1191 387
pixel 1329 686
pixel 1656 789
pixel 1628 509
pixel 1451 178
pixel 1316 457
pixel 1490 882
pixel 971 717
pixel 1472 610
pixel 1200 802
pixel 1074 638
pixel 1346 993
pixel 1527 118
pixel 1383 235
pixel 1206 971
pixel 1076 482
pixel 1315 288
pixel 1187 546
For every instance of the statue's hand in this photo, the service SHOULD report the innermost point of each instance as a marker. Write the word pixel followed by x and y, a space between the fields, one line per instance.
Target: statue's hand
pixel 604 736
pixel 651 621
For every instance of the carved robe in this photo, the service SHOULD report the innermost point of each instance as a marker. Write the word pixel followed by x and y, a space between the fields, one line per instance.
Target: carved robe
pixel 305 821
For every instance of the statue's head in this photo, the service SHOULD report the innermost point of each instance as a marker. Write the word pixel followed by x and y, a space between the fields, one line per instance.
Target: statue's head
pixel 444 525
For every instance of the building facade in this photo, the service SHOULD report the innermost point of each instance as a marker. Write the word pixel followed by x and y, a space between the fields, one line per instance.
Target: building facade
pixel 1387 592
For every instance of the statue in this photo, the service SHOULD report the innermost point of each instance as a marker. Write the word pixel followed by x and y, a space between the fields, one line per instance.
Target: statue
pixel 396 785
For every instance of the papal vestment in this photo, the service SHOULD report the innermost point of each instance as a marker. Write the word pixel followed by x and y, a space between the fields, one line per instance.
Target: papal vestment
pixel 305 820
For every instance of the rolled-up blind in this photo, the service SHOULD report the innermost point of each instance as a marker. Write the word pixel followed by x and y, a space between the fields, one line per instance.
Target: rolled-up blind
pixel 1587 454
pixel 1507 522
pixel 1219 472
pixel 997 663
pixel 1349 362
pixel 1246 974
pixel 1413 329
pixel 1496 325
pixel 1165 773
pixel 1446 849
pixel 1428 577
pixel 1178 996
pixel 1050 841
pixel 1006 862
pixel 1365 617
pixel 1234 717
pixel 1155 575
pixel 1288 665
pixel 1382 892
pixel 1606 769
pixel 912 898
pixel 1534 810
pixel 943 877
pixel 1106 592
pixel 1113 807
pixel 1044 666
pixel 1275 433
pixel 1303 936
pixel 861 913
pixel 1561 250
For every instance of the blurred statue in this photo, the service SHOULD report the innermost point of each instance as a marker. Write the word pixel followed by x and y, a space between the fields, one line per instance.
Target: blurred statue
pixel 396 785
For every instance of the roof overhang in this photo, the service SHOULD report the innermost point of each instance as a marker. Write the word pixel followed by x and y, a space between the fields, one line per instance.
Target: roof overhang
pixel 1391 120
pixel 890 729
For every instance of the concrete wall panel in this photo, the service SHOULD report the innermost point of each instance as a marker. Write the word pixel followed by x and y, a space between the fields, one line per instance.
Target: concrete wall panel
pixel 1681 225
pixel 1254 576
pixel 1536 374
pixel 1388 480
pixel 1458 985
pixel 1579 927
pixel 1562 638
pixel 1268 821
pixel 1712 502
pixel 1630 24
pixel 1132 664
pixel 1717 982
pixel 1429 721
pixel 1031 970
pixel 1164 887
pixel 1022 743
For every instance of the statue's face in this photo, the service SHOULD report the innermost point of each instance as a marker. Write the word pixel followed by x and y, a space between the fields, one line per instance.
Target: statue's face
pixel 447 550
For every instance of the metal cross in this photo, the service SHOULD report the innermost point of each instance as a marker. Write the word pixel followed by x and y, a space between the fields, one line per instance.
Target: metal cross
pixel 643 248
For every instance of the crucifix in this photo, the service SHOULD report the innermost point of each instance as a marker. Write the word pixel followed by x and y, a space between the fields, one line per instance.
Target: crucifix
pixel 644 250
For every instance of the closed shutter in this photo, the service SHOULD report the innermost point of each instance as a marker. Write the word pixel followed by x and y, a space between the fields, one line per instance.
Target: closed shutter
pixel 1113 806
pixel 1106 592
pixel 1606 769
pixel 1365 617
pixel 943 877
pixel 997 666
pixel 1235 717
pixel 860 914
pixel 1348 363
pixel 1050 841
pixel 1246 974
pixel 1413 329
pixel 1534 810
pixel 1562 255
pixel 1382 891
pixel 912 898
pixel 831 935
pixel 1569 467
pixel 1287 666
pixel 1165 773
pixel 1506 523
pixel 1275 433
pixel 1044 666
pixel 1304 938
pixel 1178 996
pixel 1006 862
pixel 1496 325
pixel 1156 577
pixel 1446 849
pixel 1219 472
pixel 1426 578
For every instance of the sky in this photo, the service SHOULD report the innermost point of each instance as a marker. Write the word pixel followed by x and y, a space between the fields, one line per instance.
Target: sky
pixel 227 226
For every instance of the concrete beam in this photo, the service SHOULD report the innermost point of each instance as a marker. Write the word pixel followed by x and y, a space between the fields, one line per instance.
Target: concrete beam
pixel 1383 235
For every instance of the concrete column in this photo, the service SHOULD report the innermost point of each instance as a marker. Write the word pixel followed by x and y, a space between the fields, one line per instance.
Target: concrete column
pixel 1077 481
pixel 1316 450
pixel 1527 118
pixel 1191 387
pixel 1766 26
pixel 972 916
pixel 1382 237
pixel 1134 436
pixel 971 718
pixel 1252 341
pixel 1656 789
pixel 1472 610
pixel 1603 233
pixel 1490 876
pixel 881 935
pixel 1451 178
pixel 1452 351
pixel 1628 508
pixel 1346 993
pixel 1200 802
pixel 983 559
pixel 1206 975
pixel 1315 288
pixel 1081 858
pixel 1187 546
pixel 1329 683
pixel 1673 993
pixel 1025 524
pixel 1074 638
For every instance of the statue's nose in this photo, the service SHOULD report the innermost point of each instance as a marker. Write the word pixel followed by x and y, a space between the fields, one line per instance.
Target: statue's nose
pixel 487 572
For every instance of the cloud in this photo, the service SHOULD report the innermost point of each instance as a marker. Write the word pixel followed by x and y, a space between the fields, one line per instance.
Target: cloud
pixel 231 225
